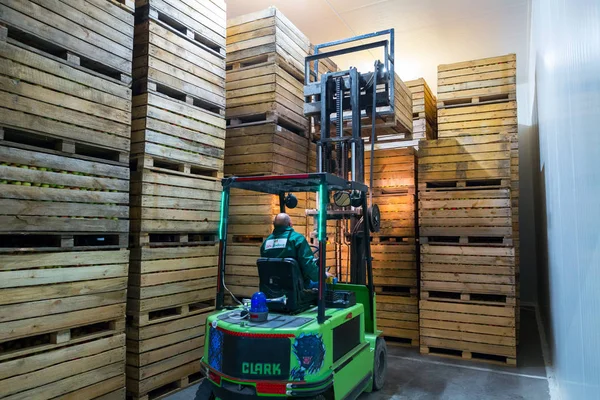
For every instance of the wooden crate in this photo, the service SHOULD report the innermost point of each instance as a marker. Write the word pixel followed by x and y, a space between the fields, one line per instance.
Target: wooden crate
pixel 514 191
pixel 201 22
pixel 471 161
pixel 398 214
pixel 164 357
pixel 53 299
pixel 398 318
pixel 266 36
pixel 166 202
pixel 266 149
pixel 392 168
pixel 171 280
pixel 391 120
pixel 172 130
pixel 95 34
pixel 481 214
pixel 241 272
pixel 468 274
pixel 265 93
pixel 478 81
pixel 486 119
pixel 394 264
pixel 424 102
pixel 170 61
pixel 469 331
pixel 251 214
pixel 394 190
pixel 63 197
pixel 45 95
pixel 93 368
pixel 422 129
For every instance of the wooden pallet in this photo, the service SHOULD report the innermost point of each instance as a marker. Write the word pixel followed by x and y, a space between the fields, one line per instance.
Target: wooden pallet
pixel 265 89
pixel 53 298
pixel 49 192
pixel 97 35
pixel 424 102
pixel 91 369
pixel 164 357
pixel 267 33
pixel 176 203
pixel 169 282
pixel 171 129
pixel 398 317
pixel 265 150
pixel 203 23
pixel 478 332
pixel 471 82
pixel 465 212
pixel 487 119
pixel 165 57
pixel 470 158
pixel 46 95
pixel 465 273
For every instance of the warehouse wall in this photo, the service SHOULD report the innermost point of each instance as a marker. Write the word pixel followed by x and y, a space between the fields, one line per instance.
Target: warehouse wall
pixel 566 60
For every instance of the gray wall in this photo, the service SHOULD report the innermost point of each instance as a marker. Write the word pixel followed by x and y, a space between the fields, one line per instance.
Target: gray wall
pixel 565 58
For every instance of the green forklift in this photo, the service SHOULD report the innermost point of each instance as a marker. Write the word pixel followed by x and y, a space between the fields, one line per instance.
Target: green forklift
pixel 317 342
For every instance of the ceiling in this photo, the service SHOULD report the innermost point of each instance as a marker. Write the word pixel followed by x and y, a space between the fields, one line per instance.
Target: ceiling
pixel 428 32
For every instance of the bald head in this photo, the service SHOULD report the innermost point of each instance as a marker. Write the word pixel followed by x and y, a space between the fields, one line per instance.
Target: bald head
pixel 282 220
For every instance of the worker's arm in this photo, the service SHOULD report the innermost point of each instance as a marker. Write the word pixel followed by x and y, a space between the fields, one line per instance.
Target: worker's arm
pixel 306 260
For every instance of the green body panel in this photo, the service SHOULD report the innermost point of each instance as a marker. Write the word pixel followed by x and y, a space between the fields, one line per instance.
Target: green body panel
pixel 362 297
pixel 347 374
pixel 353 373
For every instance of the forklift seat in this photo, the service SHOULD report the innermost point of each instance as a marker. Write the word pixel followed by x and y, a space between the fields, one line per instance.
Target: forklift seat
pixel 282 276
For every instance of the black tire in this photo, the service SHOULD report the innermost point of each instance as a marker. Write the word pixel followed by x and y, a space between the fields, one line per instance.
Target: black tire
pixel 205 391
pixel 379 364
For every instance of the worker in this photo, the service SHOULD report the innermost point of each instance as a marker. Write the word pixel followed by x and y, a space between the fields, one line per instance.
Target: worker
pixel 284 242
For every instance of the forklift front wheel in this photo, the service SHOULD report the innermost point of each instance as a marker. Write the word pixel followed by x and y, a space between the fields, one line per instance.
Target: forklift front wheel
pixel 380 364
pixel 205 391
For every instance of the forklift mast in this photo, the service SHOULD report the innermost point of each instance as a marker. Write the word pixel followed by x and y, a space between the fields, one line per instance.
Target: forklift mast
pixel 341 100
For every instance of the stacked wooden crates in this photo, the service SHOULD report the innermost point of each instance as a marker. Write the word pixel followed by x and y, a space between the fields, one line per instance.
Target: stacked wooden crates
pixel 267 133
pixel 394 248
pixel 64 153
pixel 467 213
pixel 424 110
pixel 178 140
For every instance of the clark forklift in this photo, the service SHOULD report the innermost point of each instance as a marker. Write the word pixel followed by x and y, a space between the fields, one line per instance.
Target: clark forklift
pixel 322 342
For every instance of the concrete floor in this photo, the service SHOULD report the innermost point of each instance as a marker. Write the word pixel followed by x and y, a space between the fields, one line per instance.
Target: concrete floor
pixel 415 377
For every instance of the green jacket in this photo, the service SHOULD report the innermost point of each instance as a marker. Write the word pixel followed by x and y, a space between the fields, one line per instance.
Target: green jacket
pixel 284 242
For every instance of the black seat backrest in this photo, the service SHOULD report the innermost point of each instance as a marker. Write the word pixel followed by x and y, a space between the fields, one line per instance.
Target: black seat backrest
pixel 282 276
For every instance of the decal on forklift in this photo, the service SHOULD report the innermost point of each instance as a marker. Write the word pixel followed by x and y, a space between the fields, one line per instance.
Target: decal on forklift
pixel 215 349
pixel 261 368
pixel 309 350
pixel 275 244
